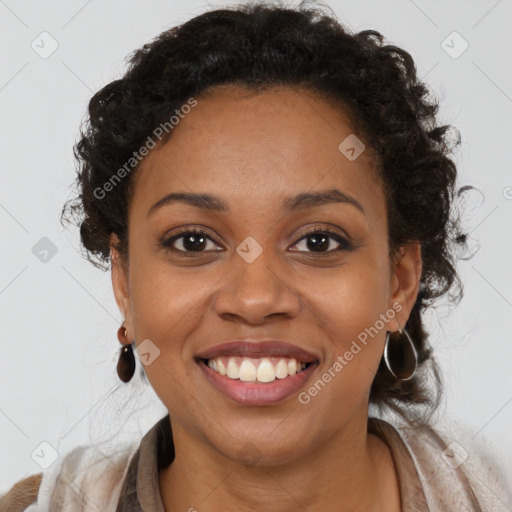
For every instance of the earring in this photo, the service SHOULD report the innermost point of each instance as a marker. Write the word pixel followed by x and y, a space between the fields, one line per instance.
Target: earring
pixel 400 355
pixel 126 362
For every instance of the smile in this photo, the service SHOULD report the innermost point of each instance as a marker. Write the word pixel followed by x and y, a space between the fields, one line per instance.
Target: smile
pixel 248 369
pixel 257 381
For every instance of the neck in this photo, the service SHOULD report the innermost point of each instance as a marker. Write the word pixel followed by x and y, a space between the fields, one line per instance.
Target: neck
pixel 352 471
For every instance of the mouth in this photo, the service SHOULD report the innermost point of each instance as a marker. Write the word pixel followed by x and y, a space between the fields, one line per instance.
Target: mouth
pixel 257 373
pixel 250 369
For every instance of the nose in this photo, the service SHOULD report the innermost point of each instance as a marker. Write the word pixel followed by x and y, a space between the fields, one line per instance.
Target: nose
pixel 253 292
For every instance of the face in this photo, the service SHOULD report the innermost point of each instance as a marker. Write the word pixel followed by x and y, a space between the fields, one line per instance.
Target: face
pixel 187 292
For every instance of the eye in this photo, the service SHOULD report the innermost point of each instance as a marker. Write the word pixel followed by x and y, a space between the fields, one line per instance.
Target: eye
pixel 192 241
pixel 320 241
pixel 189 241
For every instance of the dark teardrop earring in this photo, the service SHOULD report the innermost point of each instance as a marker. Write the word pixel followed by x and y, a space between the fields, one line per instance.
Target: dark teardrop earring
pixel 126 362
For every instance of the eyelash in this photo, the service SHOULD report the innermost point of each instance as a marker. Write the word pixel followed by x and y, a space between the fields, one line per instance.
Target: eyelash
pixel 166 243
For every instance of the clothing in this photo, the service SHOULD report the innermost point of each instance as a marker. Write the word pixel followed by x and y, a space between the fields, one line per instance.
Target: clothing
pixel 86 480
pixel 21 494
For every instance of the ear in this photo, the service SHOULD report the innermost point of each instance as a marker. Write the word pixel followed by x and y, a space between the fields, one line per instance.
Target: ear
pixel 405 282
pixel 120 284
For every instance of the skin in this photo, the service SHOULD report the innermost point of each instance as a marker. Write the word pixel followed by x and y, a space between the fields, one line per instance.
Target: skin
pixel 253 150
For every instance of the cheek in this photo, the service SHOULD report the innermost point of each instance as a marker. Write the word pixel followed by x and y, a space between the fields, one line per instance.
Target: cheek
pixel 350 301
pixel 165 301
pixel 167 306
pixel 349 312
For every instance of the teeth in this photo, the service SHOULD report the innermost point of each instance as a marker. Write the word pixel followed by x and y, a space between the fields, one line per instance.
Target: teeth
pixel 266 372
pixel 247 371
pixel 265 369
pixel 233 372
pixel 281 369
pixel 221 368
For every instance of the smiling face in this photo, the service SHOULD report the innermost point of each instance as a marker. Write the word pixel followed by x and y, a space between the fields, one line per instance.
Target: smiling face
pixel 259 154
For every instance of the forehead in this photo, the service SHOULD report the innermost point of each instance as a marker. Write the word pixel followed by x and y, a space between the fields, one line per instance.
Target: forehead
pixel 256 147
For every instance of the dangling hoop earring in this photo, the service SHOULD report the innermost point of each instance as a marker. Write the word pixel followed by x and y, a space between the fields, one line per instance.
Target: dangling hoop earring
pixel 400 355
pixel 126 362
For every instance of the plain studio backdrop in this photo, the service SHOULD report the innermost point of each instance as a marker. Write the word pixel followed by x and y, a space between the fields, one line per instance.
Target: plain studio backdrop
pixel 59 387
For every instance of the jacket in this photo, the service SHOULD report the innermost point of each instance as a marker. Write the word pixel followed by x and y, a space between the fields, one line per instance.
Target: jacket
pixel 435 474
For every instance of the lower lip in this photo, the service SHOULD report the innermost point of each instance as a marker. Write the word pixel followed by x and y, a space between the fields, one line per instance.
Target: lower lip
pixel 258 393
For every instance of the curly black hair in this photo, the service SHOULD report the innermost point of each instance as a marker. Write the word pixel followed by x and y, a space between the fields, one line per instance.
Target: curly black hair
pixel 259 46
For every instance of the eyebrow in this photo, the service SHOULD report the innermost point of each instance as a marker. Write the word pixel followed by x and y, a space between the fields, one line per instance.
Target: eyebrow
pixel 299 202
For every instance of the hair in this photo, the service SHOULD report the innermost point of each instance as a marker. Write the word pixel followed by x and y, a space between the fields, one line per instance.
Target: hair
pixel 261 46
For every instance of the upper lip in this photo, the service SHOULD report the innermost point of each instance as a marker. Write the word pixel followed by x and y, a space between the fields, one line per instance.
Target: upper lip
pixel 259 348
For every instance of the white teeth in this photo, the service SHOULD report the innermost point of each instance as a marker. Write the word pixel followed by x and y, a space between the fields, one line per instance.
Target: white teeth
pixel 266 372
pixel 281 369
pixel 265 369
pixel 247 371
pixel 232 370
pixel 221 368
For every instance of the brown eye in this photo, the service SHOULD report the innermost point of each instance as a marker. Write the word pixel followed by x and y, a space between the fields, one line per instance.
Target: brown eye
pixel 320 241
pixel 189 241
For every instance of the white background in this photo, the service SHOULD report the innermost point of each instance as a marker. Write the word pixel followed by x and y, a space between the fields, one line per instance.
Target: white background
pixel 59 319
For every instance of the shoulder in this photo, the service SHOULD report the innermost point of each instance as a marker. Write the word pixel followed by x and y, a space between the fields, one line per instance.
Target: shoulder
pixel 22 494
pixel 455 467
pixel 97 473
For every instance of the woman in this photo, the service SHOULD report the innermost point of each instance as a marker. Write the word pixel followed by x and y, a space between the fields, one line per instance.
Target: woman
pixel 273 194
